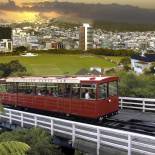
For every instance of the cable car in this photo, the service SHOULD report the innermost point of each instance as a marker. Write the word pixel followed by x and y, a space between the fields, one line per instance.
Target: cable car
pixel 91 97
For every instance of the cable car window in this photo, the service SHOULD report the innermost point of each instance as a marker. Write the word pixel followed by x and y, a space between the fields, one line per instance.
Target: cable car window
pixel 88 91
pixel 103 91
pixel 52 89
pixel 67 90
pixel 41 89
pixel 3 88
pixel 113 88
pixel 22 88
pixel 26 88
pixel 31 88
pixel 76 91
pixel 11 87
pixel 61 88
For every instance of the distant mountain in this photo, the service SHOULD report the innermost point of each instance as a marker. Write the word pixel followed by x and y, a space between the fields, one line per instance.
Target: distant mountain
pixel 99 12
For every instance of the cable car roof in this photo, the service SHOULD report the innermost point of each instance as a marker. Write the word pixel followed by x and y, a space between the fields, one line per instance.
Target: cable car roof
pixel 77 79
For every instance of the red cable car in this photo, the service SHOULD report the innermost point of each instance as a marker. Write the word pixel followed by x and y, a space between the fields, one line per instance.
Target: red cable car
pixel 91 97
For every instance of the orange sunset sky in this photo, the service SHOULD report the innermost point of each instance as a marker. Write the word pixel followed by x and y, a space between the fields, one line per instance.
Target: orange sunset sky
pixel 15 15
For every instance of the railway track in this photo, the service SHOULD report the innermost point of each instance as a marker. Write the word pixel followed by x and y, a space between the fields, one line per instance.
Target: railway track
pixel 137 126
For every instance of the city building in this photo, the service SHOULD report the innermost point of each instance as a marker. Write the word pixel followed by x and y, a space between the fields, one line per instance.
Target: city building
pixel 140 63
pixel 6 44
pixel 86 37
pixel 46 36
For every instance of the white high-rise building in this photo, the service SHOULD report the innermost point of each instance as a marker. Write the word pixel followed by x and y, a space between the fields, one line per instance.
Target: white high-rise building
pixel 86 37
pixel 6 45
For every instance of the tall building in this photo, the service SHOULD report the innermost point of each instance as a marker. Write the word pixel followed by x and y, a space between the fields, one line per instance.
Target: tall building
pixel 6 44
pixel 86 37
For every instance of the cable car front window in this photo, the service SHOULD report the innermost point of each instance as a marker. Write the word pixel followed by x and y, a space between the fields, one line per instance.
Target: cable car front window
pixel 113 88
pixel 103 91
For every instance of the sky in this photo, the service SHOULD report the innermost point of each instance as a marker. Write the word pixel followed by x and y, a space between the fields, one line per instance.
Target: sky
pixel 12 13
pixel 140 3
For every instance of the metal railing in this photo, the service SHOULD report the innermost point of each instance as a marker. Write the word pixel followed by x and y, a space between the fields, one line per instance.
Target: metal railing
pixel 144 104
pixel 100 136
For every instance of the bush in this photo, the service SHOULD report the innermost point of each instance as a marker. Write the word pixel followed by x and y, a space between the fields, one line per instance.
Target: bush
pixel 101 51
pixel 132 85
pixel 10 68
pixel 38 139
pixel 20 49
pixel 125 61
pixel 150 70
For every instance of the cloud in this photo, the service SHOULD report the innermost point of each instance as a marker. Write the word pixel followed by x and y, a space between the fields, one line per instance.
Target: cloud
pixel 99 12
pixel 10 5
pixel 2 17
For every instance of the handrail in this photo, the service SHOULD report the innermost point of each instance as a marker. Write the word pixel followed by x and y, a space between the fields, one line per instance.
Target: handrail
pixel 102 136
pixel 144 104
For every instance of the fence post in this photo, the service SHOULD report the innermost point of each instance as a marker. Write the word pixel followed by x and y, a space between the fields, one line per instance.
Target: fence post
pixel 10 117
pixel 98 141
pixel 22 123
pixel 143 105
pixel 121 103
pixel 73 134
pixel 35 121
pixel 129 145
pixel 52 127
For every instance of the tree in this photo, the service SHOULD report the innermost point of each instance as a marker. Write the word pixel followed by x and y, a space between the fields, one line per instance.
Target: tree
pixel 13 148
pixel 150 70
pixel 38 139
pixel 20 49
pixel 7 69
pixel 15 66
pixel 132 85
pixel 1 108
pixel 125 61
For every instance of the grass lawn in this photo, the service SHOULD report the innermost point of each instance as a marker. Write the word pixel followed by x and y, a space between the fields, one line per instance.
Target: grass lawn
pixel 114 58
pixel 48 64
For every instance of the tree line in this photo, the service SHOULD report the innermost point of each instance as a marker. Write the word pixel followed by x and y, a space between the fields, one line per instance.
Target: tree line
pixel 132 85
pixel 99 51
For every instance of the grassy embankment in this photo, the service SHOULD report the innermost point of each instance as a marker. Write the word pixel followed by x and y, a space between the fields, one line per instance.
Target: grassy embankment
pixel 48 64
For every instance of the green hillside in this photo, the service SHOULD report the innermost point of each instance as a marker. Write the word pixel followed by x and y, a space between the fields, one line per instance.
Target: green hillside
pixel 49 64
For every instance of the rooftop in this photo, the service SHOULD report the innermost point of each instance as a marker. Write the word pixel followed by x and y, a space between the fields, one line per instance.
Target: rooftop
pixel 76 79
pixel 145 58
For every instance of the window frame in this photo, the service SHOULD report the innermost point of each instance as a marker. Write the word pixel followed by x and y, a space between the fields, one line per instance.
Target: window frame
pixel 107 91
pixel 116 89
pixel 108 95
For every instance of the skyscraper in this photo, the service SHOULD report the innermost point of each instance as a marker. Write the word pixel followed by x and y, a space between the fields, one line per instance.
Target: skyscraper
pixel 6 44
pixel 86 37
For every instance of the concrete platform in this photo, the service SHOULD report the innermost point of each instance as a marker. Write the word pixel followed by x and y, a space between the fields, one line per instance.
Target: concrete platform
pixel 127 115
